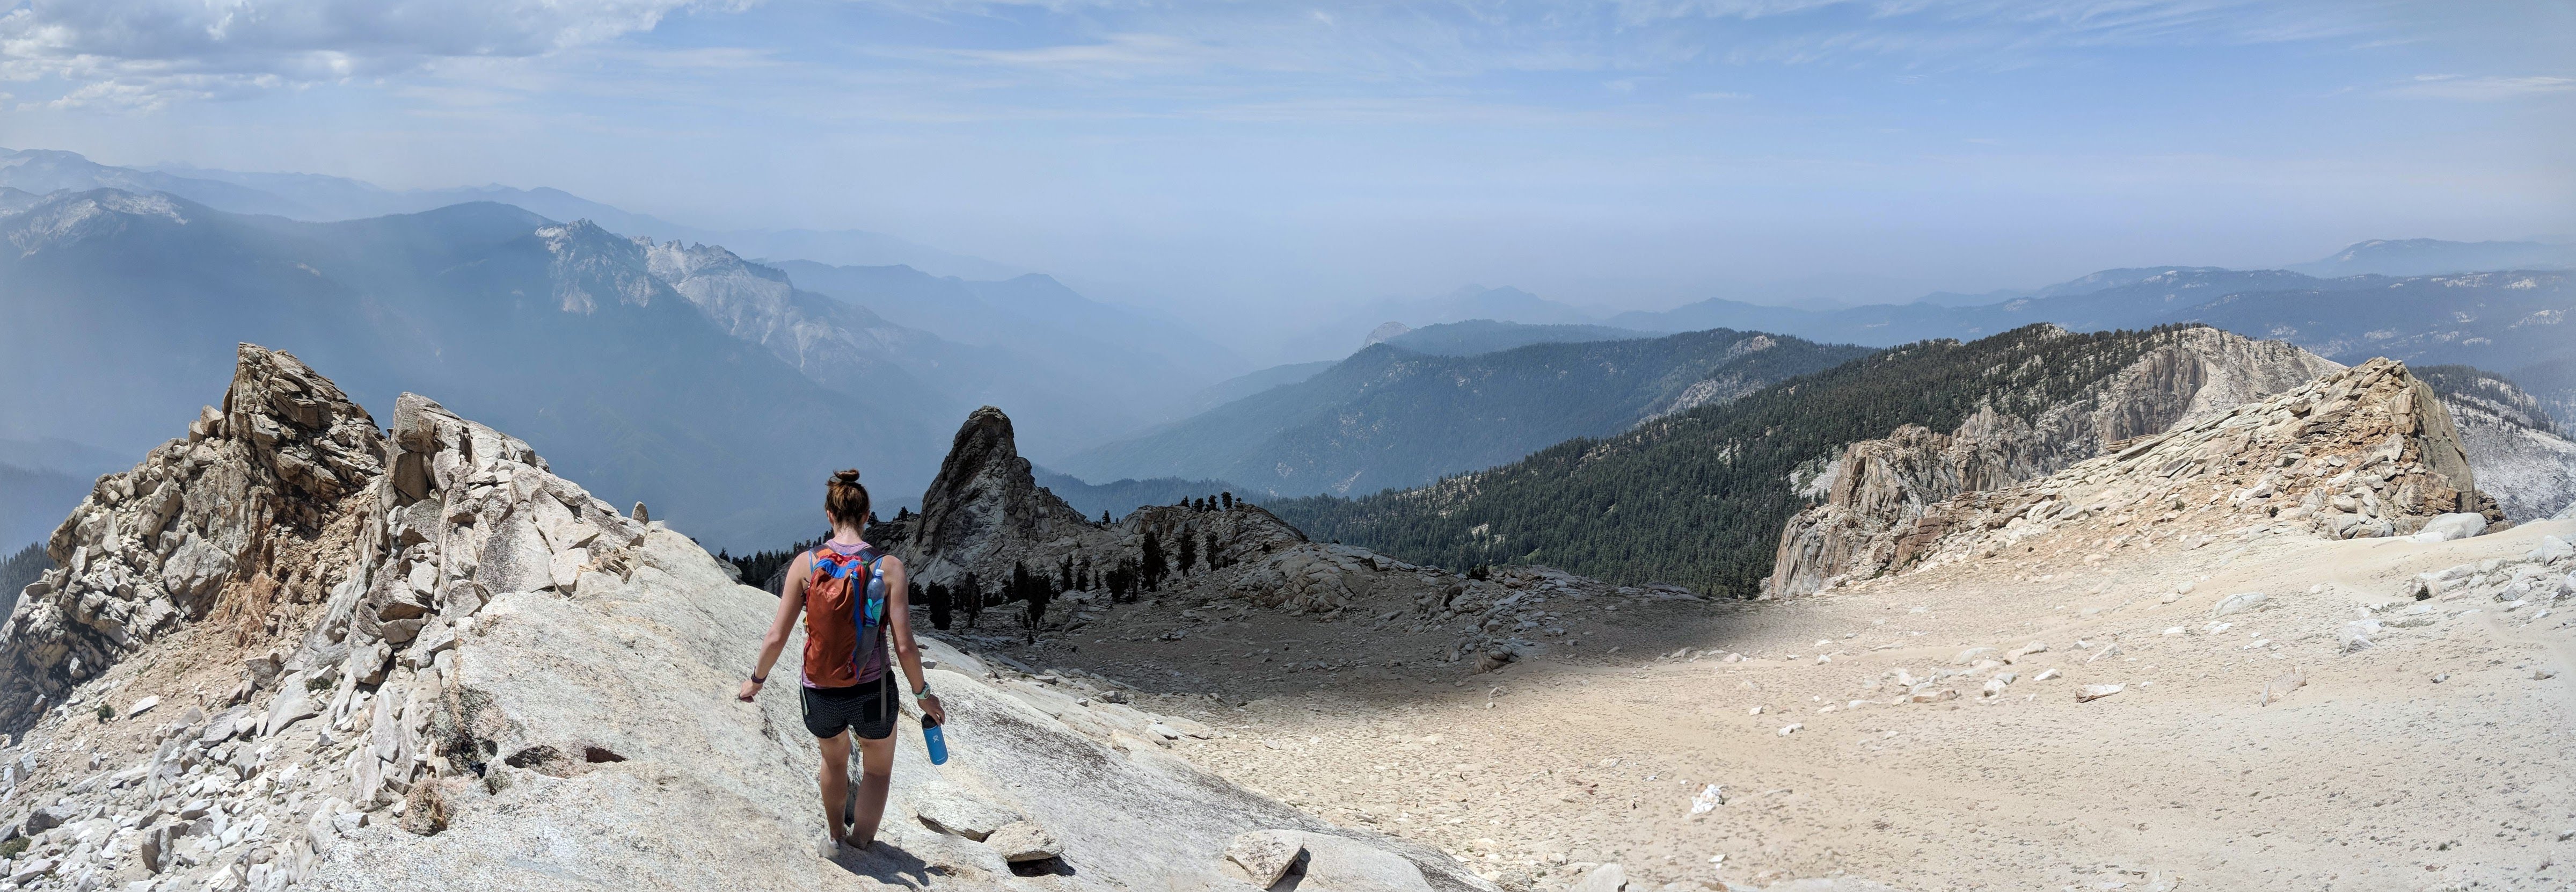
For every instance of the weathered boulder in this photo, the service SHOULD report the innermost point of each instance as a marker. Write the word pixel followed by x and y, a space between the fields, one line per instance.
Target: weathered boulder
pixel 950 809
pixel 1265 855
pixel 1022 841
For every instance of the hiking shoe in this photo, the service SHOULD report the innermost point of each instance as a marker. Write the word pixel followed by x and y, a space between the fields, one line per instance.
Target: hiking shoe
pixel 827 848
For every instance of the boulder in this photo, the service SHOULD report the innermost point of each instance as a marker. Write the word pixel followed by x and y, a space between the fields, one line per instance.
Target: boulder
pixel 293 704
pixel 2092 692
pixel 2237 603
pixel 1265 855
pixel 2450 526
pixel 950 809
pixel 1021 841
pixel 515 559
pixel 1341 864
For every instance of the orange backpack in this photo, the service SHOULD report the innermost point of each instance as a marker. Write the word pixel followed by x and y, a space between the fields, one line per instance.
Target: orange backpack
pixel 844 616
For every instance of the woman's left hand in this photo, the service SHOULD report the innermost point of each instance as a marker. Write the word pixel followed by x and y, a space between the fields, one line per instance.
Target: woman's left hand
pixel 930 707
pixel 750 689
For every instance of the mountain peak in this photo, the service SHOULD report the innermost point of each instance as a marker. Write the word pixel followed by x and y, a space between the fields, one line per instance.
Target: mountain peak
pixel 65 217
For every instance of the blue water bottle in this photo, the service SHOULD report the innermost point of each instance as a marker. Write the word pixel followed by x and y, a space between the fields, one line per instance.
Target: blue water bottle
pixel 938 743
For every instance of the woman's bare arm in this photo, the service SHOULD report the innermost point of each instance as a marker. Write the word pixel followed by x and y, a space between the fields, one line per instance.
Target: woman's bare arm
pixel 899 622
pixel 791 601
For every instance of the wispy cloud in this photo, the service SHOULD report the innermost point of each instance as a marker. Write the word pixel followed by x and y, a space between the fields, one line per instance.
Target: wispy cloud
pixel 2483 89
pixel 147 53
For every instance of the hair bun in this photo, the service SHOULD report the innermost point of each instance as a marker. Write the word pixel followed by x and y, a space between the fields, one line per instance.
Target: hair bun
pixel 850 475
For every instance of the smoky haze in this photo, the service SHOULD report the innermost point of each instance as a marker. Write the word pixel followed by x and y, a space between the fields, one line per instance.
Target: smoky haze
pixel 1246 167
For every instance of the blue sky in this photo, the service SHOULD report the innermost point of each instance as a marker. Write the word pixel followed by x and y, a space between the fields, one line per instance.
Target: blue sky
pixel 1241 162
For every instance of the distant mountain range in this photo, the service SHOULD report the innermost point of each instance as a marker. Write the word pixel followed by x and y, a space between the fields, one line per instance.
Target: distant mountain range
pixel 120 311
pixel 1389 417
pixel 2434 257
pixel 319 198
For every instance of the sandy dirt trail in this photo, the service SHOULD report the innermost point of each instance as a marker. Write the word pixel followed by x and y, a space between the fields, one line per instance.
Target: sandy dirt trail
pixel 2436 757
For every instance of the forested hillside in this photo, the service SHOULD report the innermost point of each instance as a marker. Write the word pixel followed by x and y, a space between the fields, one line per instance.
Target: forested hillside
pixel 1392 417
pixel 1699 497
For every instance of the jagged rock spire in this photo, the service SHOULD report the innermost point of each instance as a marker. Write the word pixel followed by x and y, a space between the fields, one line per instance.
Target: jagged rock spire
pixel 985 508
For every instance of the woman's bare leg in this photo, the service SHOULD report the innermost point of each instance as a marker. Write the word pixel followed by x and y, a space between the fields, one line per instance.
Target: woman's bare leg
pixel 835 777
pixel 876 765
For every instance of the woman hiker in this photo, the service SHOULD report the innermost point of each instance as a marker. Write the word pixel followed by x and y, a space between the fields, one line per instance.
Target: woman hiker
pixel 854 599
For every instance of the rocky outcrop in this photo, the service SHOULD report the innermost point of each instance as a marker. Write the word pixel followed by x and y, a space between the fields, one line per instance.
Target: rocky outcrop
pixel 1874 493
pixel 2518 454
pixel 509 685
pixel 225 522
pixel 985 510
pixel 2367 451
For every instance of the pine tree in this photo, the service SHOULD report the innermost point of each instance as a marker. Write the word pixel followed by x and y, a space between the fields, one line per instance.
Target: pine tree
pixel 1065 576
pixel 1042 592
pixel 940 609
pixel 1151 573
pixel 1104 517
pixel 1189 550
pixel 1212 552
pixel 973 592
pixel 1228 497
pixel 1019 590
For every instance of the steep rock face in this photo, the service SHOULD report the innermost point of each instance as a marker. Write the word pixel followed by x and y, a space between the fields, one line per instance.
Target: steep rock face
pixel 985 510
pixel 223 521
pixel 2367 451
pixel 502 654
pixel 2519 455
pixel 1880 487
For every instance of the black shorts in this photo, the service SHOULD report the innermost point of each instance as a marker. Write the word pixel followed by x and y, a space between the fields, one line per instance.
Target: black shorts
pixel 867 708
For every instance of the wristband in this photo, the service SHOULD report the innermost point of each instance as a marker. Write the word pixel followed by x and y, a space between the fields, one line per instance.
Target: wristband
pixel 759 680
pixel 924 692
